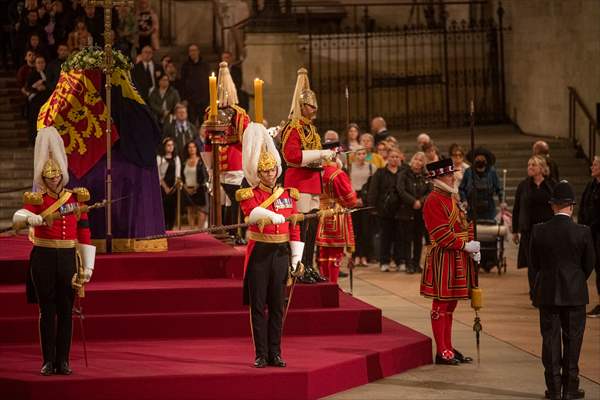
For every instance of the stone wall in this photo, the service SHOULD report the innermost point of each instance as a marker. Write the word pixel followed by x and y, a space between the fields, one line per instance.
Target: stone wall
pixel 553 44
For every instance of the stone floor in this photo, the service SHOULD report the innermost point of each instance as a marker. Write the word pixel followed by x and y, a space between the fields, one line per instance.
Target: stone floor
pixel 510 366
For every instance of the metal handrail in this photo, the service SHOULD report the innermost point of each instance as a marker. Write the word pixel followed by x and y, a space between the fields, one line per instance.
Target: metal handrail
pixel 593 129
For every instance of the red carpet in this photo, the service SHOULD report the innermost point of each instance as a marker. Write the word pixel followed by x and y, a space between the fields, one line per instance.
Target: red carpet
pixel 172 326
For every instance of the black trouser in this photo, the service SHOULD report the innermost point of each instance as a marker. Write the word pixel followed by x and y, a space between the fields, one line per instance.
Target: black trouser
pixel 52 271
pixel 308 234
pixel 597 265
pixel 266 277
pixel 363 234
pixel 568 322
pixel 231 213
pixel 170 208
pixel 390 235
pixel 412 238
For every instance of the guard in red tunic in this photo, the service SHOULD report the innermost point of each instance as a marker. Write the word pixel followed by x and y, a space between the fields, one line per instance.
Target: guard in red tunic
pixel 58 233
pixel 274 250
pixel 302 152
pixel 449 273
pixel 335 233
pixel 230 152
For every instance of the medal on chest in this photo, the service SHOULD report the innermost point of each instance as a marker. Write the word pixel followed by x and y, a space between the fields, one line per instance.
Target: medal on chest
pixel 280 203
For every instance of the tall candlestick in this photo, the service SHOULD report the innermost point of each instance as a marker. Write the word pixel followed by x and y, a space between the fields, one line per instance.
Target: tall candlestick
pixel 212 84
pixel 258 101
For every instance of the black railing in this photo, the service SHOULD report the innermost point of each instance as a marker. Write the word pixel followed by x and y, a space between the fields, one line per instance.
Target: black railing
pixel 422 74
pixel 575 136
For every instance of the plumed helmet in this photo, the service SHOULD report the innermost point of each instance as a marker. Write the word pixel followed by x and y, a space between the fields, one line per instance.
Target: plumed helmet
pixel 49 159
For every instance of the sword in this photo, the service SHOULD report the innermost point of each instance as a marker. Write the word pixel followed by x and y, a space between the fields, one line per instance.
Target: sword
pixel 295 274
pixel 78 310
pixel 294 219
pixel 351 273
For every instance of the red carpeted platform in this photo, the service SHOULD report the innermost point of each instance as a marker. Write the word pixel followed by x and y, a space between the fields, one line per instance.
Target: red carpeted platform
pixel 172 326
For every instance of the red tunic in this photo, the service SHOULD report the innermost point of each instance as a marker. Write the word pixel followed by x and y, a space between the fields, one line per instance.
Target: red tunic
pixel 285 205
pixel 449 272
pixel 337 230
pixel 298 135
pixel 63 229
pixel 230 151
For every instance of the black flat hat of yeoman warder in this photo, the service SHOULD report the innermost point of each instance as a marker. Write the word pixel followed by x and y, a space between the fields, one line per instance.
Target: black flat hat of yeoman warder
pixel 563 193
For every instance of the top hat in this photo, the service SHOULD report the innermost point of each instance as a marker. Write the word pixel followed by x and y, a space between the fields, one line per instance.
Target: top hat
pixel 563 193
pixel 439 168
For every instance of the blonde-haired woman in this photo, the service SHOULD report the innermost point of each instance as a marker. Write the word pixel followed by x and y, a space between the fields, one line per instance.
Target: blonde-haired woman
pixel 531 207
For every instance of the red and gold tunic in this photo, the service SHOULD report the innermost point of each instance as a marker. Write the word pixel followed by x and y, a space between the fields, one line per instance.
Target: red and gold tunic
pixel 337 230
pixel 230 151
pixel 449 272
pixel 300 134
pixel 284 204
pixel 65 231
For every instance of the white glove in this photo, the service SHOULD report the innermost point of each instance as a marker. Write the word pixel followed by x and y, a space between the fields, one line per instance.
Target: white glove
pixel 88 258
pixel 276 218
pixel 297 249
pixel 328 154
pixel 35 220
pixel 472 246
pixel 87 275
pixel 476 257
pixel 310 156
pixel 259 213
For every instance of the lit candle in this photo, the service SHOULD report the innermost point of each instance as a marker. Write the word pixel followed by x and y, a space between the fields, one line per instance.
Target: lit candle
pixel 258 101
pixel 212 84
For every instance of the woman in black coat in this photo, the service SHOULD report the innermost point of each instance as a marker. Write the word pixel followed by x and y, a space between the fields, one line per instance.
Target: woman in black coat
pixel 412 190
pixel 531 207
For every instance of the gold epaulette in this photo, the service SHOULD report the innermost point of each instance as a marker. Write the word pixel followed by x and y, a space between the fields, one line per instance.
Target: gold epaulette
pixel 244 194
pixel 294 193
pixel 33 198
pixel 82 193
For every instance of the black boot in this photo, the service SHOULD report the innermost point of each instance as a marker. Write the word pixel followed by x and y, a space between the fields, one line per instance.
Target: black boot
pixel 277 361
pixel 47 369
pixel 461 358
pixel 316 275
pixel 260 362
pixel 63 369
pixel 445 361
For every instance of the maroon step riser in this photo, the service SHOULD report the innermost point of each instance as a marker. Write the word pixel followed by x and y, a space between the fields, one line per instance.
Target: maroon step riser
pixel 144 268
pixel 173 326
pixel 182 300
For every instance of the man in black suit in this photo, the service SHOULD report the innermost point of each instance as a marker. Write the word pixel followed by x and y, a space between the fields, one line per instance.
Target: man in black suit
pixel 379 130
pixel 562 256
pixel 146 73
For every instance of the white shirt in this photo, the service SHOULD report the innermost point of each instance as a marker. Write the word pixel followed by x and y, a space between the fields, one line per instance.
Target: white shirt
pixel 163 164
pixel 191 179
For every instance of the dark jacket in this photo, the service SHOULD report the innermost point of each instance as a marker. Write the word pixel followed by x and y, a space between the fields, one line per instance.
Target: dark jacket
pixel 181 138
pixel 378 137
pixel 411 187
pixel 553 167
pixel 589 208
pixel 143 80
pixel 522 209
pixel 194 82
pixel 171 98
pixel 561 254
pixel 201 174
pixel 486 186
pixel 383 182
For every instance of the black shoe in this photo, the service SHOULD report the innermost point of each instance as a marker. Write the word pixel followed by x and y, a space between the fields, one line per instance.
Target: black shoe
pixel 342 274
pixel 317 276
pixel 578 394
pixel 277 361
pixel 445 361
pixel 461 358
pixel 595 313
pixel 260 362
pixel 552 395
pixel 47 369
pixel 306 278
pixel 63 369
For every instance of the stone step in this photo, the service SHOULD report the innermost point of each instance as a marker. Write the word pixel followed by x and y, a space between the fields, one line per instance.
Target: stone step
pixel 10 92
pixel 16 173
pixel 14 124
pixel 14 184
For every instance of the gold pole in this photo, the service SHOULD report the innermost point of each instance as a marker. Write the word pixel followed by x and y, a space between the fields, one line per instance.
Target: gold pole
pixel 216 155
pixel 108 69
pixel 178 185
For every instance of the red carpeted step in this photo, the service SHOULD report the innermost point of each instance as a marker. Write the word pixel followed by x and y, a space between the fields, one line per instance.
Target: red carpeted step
pixel 135 297
pixel 352 317
pixel 191 257
pixel 215 369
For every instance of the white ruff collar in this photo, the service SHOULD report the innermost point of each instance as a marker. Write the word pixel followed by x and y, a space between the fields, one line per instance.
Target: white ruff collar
pixel 441 185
